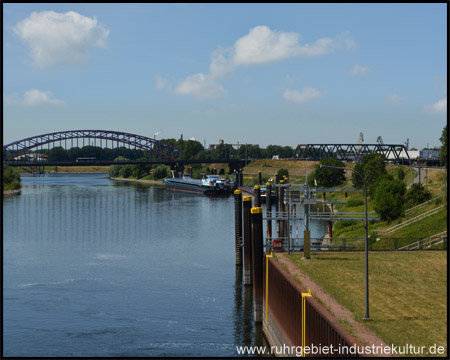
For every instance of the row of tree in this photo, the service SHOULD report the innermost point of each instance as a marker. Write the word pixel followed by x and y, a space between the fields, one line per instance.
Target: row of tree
pixel 387 192
pixel 191 149
pixel 10 178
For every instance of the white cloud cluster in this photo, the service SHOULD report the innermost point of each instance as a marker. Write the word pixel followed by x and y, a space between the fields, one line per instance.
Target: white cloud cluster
pixel 201 86
pixel 359 70
pixel 304 96
pixel 261 45
pixel 33 97
pixel 60 38
pixel 439 107
pixel 394 98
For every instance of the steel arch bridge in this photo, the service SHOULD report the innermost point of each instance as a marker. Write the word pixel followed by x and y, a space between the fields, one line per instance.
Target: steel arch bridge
pixel 99 147
pixel 350 152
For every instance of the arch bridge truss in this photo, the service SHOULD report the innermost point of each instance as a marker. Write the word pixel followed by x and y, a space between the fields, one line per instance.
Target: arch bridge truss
pixel 351 152
pixel 81 147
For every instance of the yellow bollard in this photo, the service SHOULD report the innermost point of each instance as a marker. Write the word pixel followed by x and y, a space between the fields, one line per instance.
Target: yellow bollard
pixel 303 320
pixel 267 284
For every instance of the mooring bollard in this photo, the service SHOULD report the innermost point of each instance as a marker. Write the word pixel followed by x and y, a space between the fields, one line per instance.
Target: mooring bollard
pixel 238 225
pixel 277 206
pixel 257 191
pixel 306 244
pixel 280 223
pixel 241 177
pixel 248 263
pixel 259 177
pixel 269 213
pixel 258 257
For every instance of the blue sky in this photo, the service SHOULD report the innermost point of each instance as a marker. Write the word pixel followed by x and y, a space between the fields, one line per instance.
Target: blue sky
pixel 283 74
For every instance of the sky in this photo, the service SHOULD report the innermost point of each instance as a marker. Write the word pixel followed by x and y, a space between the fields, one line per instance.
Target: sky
pixel 283 74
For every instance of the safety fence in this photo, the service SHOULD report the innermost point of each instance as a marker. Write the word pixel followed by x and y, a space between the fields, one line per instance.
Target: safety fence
pixel 284 315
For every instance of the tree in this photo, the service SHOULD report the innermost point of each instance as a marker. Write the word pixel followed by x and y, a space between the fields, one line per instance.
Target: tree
pixel 371 167
pixel 400 173
pixel 443 153
pixel 329 177
pixel 357 181
pixel 373 170
pixel 389 198
pixel 282 172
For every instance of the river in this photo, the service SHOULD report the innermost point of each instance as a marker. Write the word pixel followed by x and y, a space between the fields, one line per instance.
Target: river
pixel 96 267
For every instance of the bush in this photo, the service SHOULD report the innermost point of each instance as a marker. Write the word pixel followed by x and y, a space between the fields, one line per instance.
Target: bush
pixel 417 194
pixel 114 171
pixel 343 223
pixel 389 198
pixel 10 178
pixel 126 171
pixel 354 202
pixel 160 172
pixel 283 172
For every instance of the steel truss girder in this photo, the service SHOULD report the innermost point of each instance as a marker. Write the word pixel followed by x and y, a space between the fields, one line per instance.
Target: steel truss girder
pixel 161 149
pixel 348 152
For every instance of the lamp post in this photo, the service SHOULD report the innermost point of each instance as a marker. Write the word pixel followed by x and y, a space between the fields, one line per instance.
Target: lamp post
pixel 366 227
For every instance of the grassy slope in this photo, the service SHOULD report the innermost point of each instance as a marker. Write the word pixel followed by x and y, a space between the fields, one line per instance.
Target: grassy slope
pixel 426 227
pixel 408 292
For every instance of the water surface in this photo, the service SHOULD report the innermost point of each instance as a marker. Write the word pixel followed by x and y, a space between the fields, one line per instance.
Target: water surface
pixel 95 267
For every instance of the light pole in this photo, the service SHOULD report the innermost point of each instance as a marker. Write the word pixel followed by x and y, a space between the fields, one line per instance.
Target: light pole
pixel 366 227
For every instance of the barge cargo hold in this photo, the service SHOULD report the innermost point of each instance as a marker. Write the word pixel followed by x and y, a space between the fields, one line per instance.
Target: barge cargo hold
pixel 209 185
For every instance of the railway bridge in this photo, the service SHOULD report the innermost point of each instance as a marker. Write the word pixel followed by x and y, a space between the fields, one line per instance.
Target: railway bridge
pixel 98 147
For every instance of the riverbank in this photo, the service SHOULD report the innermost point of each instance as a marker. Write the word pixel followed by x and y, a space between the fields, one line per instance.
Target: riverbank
pixel 152 182
pixel 12 192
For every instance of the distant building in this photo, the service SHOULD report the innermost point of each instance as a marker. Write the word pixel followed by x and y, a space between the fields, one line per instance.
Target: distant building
pixel 214 146
pixel 31 157
pixel 416 154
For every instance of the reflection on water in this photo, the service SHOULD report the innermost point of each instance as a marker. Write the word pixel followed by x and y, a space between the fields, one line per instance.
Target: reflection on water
pixel 95 267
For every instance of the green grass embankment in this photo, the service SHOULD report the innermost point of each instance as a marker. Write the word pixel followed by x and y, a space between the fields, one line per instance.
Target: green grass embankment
pixel 408 292
pixel 423 228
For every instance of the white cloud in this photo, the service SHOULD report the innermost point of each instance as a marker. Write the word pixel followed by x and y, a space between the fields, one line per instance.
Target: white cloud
pixel 60 38
pixel 220 64
pixel 33 97
pixel 394 98
pixel 439 107
pixel 263 45
pixel 201 86
pixel 306 95
pixel 160 83
pixel 359 70
pixel 260 46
